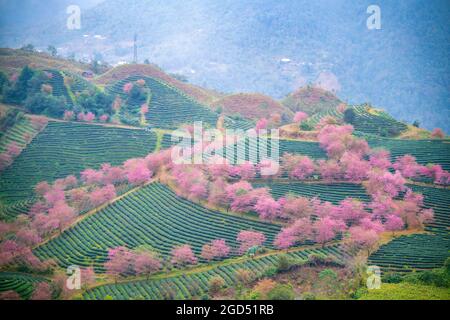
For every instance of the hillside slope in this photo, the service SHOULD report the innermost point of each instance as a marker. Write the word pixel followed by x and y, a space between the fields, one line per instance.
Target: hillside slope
pixel 125 71
pixel 12 61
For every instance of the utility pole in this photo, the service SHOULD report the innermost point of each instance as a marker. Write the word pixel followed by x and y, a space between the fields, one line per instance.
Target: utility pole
pixel 135 49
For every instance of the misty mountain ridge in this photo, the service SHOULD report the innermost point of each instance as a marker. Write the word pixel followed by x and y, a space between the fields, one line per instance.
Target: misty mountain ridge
pixel 273 47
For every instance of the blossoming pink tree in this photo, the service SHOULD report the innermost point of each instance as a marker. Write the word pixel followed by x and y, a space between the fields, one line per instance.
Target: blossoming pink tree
pixel 300 116
pixel 183 255
pixel 249 239
pixel 216 249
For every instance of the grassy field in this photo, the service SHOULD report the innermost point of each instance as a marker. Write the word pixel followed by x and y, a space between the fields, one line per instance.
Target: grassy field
pixel 407 291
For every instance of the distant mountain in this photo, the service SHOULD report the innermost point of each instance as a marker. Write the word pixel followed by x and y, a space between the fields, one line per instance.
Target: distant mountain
pixel 274 47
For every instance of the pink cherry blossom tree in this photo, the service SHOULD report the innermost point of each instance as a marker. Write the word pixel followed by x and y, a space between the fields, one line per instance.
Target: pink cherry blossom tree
pixel 146 263
pixel 13 149
pixel 183 255
pixel 103 194
pixel 300 116
pixel 326 229
pixel 127 87
pixel 144 109
pixel 438 133
pixel 216 249
pixel 89 117
pixel 91 176
pixel 87 277
pixel 42 188
pixel 330 170
pixel 217 195
pixel 249 239
pixel 384 182
pixel 354 168
pixel 267 208
pixel 61 215
pixel 380 159
pixel 361 238
pixel 68 115
pixel 261 124
pixel 80 116
pixel 54 195
pixel 245 170
pixel 393 223
pixel 351 211
pixel 119 261
pixel 407 166
pixel 300 231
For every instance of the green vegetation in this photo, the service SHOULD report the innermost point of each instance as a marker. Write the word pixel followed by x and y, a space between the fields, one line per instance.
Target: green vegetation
pixel 373 121
pixel 414 252
pixel 364 119
pixel 42 103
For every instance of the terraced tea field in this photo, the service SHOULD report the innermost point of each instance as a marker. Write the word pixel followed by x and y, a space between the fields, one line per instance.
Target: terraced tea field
pixel 77 83
pixel 376 122
pixel 425 151
pixel 59 88
pixel 62 149
pixel 169 107
pixel 153 215
pixel 196 284
pixel 238 124
pixel 16 134
pixel 254 146
pixel 373 122
pixel 420 251
pixel 414 252
pixel 21 283
pixel 333 192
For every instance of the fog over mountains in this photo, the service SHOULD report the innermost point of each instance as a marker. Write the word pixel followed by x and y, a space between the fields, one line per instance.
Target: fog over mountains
pixel 266 46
